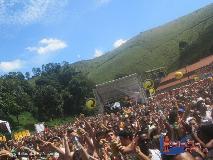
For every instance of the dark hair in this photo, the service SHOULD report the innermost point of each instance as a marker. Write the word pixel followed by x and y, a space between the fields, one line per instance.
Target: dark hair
pixel 125 134
pixel 153 133
pixel 108 131
pixel 100 133
pixel 77 155
pixel 144 147
pixel 143 143
pixel 147 112
pixel 167 157
pixel 172 117
pixel 144 129
pixel 55 138
pixel 205 132
pixel 196 154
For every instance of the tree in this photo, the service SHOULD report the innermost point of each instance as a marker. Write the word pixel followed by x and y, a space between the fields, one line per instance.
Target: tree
pixel 80 88
pixel 14 93
pixel 36 71
pixel 49 102
pixel 14 75
pixel 52 92
pixel 27 75
pixel 66 74
pixel 51 68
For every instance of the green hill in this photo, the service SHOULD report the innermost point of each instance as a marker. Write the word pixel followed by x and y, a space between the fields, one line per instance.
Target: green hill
pixel 173 45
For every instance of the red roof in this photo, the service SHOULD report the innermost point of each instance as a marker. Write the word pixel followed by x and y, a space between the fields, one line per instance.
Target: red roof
pixel 202 63
pixel 182 80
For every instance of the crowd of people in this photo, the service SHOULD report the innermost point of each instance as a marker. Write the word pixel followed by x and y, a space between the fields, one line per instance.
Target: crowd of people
pixel 133 133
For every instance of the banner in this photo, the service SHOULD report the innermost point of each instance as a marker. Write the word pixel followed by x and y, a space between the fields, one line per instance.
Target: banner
pixel 168 147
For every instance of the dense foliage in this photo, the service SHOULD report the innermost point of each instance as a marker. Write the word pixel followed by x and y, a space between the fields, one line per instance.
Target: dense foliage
pixel 54 91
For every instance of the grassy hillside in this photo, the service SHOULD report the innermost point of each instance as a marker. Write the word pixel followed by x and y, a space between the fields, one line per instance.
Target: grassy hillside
pixel 173 45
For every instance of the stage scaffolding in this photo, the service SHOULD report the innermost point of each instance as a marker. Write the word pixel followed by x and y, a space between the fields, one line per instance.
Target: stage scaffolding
pixel 112 91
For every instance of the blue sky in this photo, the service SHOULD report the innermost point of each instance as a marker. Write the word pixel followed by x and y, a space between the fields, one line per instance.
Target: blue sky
pixel 36 32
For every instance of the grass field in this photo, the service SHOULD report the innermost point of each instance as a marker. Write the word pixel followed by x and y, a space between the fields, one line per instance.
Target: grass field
pixel 156 47
pixel 27 121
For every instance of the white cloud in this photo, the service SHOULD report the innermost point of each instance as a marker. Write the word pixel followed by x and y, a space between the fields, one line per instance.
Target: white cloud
pixel 119 42
pixel 48 45
pixel 78 56
pixel 98 53
pixel 28 11
pixel 9 66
